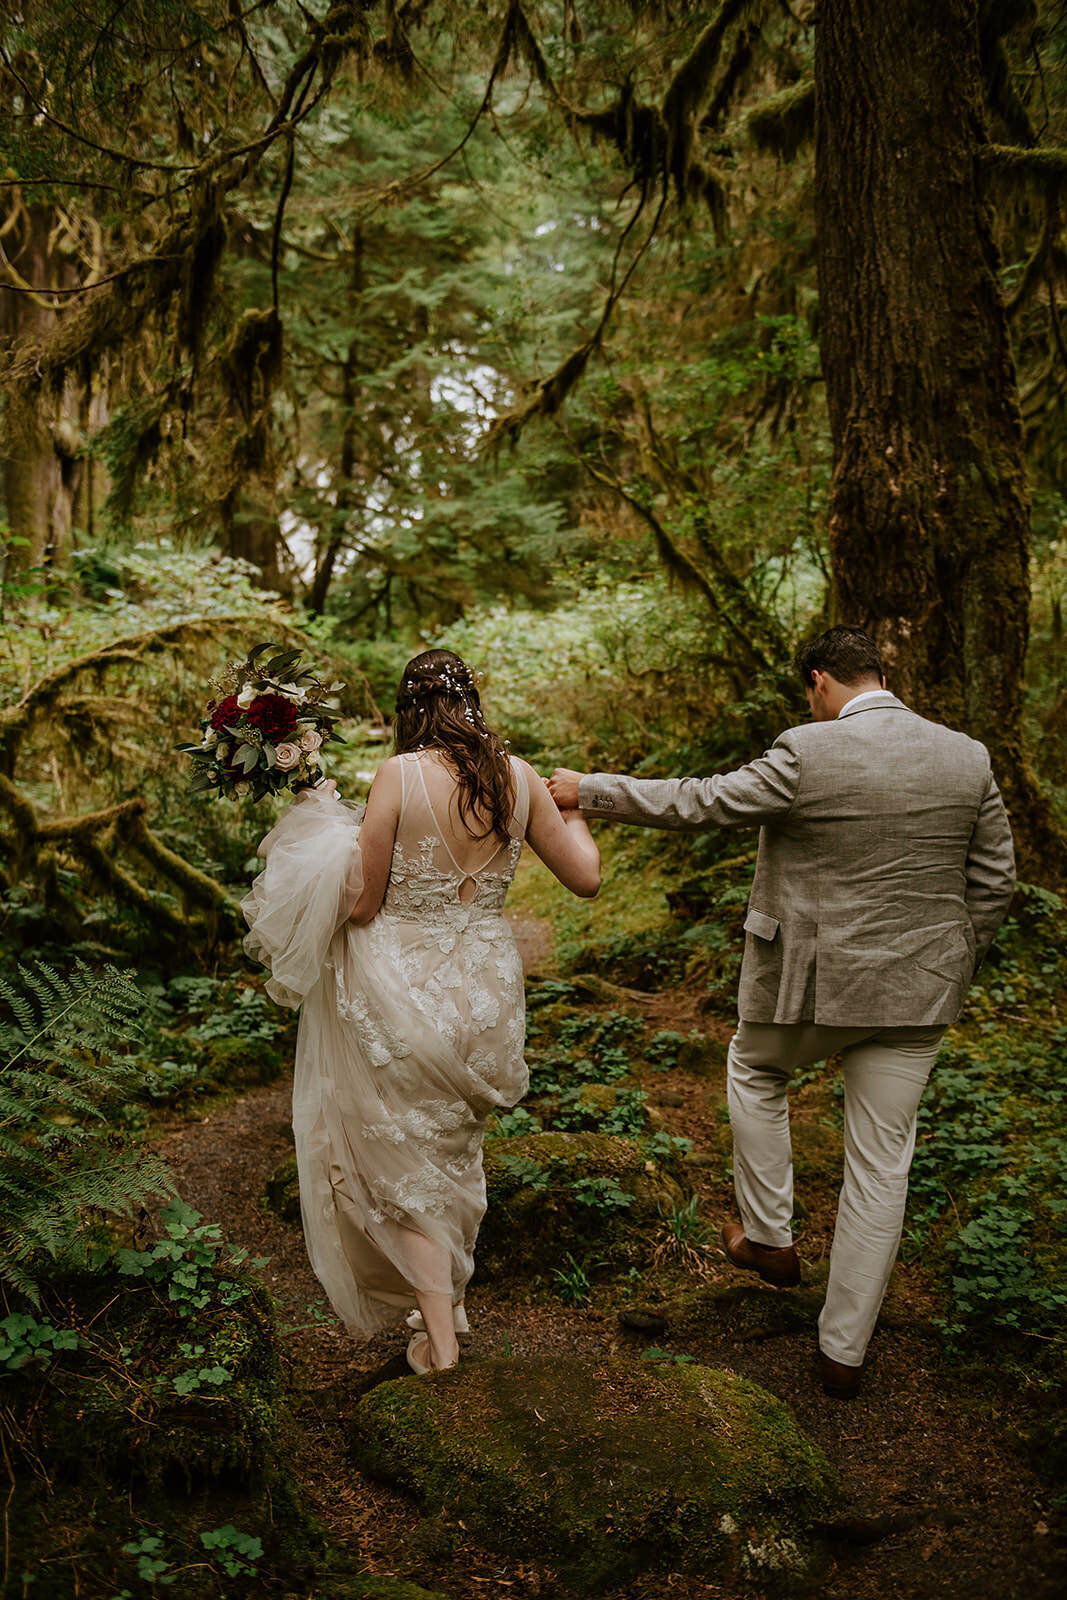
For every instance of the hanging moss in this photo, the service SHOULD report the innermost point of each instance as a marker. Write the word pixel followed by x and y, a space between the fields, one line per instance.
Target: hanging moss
pixel 783 122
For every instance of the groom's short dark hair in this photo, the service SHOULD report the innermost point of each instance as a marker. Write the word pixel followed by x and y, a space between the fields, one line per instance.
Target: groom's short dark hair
pixel 847 654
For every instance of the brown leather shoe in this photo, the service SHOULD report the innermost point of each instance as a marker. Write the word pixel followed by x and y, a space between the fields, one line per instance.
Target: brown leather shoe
pixel 838 1380
pixel 778 1266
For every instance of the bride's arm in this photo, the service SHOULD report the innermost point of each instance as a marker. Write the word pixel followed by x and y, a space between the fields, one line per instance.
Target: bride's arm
pixel 376 837
pixel 562 840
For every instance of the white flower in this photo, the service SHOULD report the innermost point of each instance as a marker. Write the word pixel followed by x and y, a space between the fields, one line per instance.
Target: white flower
pixel 210 740
pixel 286 757
pixel 247 695
pixel 242 787
pixel 311 740
pixel 293 691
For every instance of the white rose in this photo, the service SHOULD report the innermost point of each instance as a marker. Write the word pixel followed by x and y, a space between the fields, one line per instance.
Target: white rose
pixel 286 757
pixel 242 787
pixel 293 691
pixel 311 740
pixel 211 739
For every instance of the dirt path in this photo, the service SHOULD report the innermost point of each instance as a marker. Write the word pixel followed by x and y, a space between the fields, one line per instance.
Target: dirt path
pixel 969 1518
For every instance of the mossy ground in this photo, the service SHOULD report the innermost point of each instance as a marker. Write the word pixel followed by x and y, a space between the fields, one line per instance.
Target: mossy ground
pixel 607 1468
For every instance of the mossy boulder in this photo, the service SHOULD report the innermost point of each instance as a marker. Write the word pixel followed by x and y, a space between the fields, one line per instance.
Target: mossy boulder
pixel 282 1192
pixel 158 1396
pixel 605 1469
pixel 369 1587
pixel 742 1310
pixel 703 1055
pixel 233 1060
pixel 554 1193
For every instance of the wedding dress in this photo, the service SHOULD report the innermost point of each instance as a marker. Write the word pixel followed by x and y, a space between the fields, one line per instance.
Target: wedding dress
pixel 411 1034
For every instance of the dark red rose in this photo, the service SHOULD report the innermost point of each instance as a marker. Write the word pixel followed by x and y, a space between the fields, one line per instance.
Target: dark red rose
pixel 225 712
pixel 273 715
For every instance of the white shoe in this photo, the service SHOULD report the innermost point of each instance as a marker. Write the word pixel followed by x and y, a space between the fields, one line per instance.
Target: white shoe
pixel 419 1367
pixel 459 1320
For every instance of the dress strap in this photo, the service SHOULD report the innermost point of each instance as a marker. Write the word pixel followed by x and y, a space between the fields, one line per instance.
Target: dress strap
pixel 520 811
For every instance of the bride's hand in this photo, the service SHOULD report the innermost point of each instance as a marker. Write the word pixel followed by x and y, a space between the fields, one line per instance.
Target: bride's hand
pixel 327 787
pixel 563 787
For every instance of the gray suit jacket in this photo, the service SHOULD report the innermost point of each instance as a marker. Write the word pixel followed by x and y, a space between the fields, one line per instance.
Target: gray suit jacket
pixel 885 864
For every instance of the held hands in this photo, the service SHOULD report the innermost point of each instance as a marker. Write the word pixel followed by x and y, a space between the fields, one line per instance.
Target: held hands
pixel 563 787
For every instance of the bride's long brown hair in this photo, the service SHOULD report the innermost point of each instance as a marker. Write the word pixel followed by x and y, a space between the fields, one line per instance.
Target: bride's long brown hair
pixel 438 707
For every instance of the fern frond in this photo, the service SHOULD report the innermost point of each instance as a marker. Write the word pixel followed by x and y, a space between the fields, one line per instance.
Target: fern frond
pixel 62 1079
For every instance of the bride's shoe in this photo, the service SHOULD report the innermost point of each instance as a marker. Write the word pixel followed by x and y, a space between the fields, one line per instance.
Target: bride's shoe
pixel 459 1320
pixel 420 1367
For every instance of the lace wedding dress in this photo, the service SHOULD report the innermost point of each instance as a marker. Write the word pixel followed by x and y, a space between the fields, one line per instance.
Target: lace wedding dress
pixel 411 1034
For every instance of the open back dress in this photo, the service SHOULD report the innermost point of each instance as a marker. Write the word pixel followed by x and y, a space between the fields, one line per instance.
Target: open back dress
pixel 411 1034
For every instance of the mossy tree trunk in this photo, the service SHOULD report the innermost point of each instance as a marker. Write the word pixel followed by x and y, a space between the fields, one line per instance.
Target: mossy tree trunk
pixel 40 454
pixel 929 513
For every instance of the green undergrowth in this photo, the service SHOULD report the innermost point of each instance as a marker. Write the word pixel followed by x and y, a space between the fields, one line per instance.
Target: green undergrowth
pixel 988 1200
pixel 204 1038
pixel 142 1407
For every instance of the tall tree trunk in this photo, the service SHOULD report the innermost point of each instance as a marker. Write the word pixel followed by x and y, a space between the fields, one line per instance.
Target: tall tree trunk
pixel 351 394
pixel 929 513
pixel 40 465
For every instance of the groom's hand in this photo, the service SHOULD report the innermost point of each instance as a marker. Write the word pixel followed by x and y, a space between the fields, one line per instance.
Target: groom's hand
pixel 563 787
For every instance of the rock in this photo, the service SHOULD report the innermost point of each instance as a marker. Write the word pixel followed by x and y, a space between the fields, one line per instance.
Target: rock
pixel 746 1310
pixel 702 1055
pixel 551 1194
pixel 643 1319
pixel 199 1402
pixel 606 1468
pixel 369 1587
pixel 283 1191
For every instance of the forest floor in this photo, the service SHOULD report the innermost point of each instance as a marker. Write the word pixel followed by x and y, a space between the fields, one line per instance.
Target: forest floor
pixel 918 1447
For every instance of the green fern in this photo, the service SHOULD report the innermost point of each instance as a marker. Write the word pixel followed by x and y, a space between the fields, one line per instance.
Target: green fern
pixel 63 1169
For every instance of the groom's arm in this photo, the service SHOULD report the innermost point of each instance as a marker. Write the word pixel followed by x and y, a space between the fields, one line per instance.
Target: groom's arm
pixel 990 870
pixel 763 791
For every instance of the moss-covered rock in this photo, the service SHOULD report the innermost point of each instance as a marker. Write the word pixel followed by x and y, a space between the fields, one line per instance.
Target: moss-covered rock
pixel 155 1396
pixel 282 1193
pixel 372 1588
pixel 234 1060
pixel 703 1055
pixel 554 1193
pixel 741 1309
pixel 606 1469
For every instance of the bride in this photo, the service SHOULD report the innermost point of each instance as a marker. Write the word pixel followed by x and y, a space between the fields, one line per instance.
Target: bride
pixel 391 936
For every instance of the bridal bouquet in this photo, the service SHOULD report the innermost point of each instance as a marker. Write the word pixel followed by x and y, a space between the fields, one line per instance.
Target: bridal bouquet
pixel 264 729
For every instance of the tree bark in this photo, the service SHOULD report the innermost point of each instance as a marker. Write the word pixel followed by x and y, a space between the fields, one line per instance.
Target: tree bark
pixel 929 510
pixel 40 465
pixel 351 395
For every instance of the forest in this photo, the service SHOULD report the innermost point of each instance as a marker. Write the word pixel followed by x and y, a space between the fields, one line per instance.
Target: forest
pixel 619 348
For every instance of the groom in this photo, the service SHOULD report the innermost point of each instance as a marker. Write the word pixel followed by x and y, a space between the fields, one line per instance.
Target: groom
pixel 885 868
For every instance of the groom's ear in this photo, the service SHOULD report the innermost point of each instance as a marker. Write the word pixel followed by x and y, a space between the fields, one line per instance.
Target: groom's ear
pixel 883 680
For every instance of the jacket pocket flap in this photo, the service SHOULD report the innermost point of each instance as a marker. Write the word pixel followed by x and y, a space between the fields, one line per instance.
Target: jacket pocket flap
pixel 763 926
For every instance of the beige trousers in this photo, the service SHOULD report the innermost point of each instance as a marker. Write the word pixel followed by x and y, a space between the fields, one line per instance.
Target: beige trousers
pixel 885 1073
